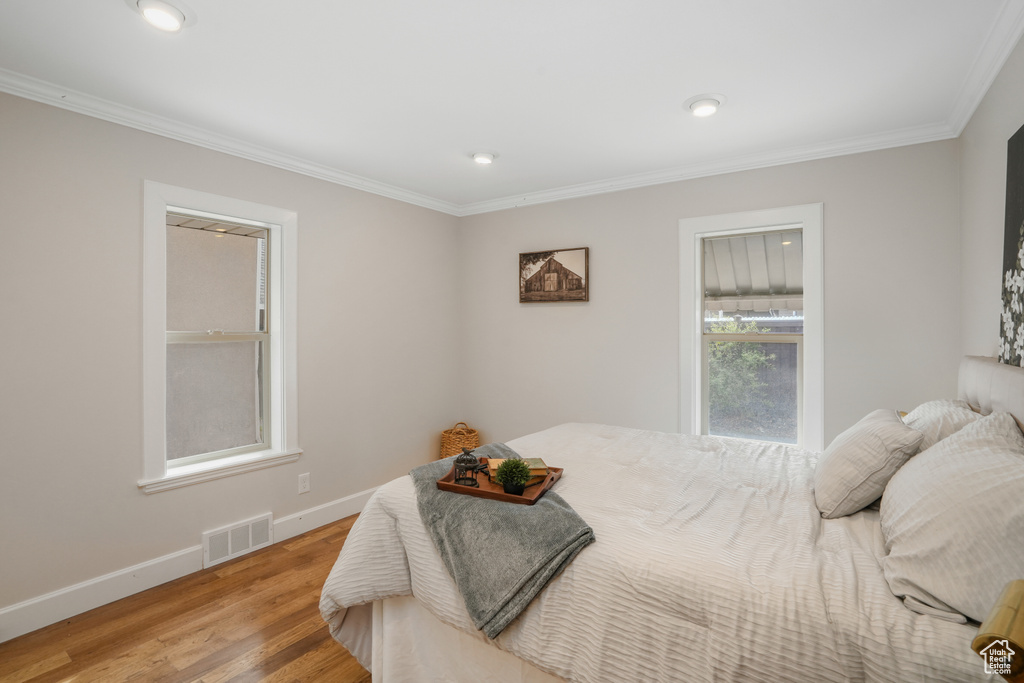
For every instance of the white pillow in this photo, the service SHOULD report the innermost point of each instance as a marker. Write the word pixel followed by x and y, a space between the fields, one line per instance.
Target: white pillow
pixel 856 466
pixel 953 520
pixel 939 419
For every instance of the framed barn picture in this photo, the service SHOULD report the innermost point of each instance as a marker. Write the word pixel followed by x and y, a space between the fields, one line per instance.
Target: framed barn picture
pixel 557 275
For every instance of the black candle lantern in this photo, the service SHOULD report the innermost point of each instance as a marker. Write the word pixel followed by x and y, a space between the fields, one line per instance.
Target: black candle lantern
pixel 466 468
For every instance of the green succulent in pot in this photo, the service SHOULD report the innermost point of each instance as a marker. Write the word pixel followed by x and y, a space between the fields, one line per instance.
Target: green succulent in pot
pixel 512 475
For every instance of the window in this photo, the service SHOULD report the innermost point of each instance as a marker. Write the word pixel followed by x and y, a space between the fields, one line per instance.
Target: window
pixel 217 338
pixel 219 346
pixel 752 335
pixel 752 325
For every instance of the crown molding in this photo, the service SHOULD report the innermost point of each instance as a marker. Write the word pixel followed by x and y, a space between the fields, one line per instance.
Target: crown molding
pixel 81 103
pixel 870 143
pixel 1001 40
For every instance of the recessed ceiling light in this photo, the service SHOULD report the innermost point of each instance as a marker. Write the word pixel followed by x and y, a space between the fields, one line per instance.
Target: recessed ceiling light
pixel 485 157
pixel 164 16
pixel 705 105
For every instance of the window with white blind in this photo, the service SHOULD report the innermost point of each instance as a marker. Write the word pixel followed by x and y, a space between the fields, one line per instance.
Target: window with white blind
pixel 752 325
pixel 218 337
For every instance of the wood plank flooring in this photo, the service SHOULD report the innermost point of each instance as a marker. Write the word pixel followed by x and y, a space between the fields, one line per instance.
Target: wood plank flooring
pixel 255 618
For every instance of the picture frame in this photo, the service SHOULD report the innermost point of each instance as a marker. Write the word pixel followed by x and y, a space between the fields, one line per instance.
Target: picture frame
pixel 1011 319
pixel 557 275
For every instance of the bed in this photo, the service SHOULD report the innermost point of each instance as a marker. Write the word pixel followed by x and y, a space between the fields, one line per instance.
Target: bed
pixel 713 560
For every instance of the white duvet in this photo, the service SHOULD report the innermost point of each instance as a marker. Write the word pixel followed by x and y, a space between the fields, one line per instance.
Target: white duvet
pixel 711 564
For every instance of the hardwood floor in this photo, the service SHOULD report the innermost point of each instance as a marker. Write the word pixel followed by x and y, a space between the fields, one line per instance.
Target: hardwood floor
pixel 254 618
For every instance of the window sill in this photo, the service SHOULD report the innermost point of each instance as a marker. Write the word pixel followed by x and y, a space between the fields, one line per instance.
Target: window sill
pixel 187 475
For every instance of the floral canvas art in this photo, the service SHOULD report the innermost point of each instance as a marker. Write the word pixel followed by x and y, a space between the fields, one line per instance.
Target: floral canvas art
pixel 1011 329
pixel 1011 336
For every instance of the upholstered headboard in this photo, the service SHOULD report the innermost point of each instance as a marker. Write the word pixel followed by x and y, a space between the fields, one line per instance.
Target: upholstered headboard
pixel 990 386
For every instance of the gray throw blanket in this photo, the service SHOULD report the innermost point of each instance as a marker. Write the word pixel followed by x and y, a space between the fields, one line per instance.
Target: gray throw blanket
pixel 499 554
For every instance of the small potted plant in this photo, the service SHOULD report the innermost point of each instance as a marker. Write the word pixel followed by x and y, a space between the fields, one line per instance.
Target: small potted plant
pixel 513 475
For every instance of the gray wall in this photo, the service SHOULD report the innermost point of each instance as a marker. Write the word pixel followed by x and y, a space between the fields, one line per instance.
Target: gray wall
pixel 375 354
pixel 891 260
pixel 983 202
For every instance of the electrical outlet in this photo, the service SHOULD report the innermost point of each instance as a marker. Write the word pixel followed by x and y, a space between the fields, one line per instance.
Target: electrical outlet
pixel 304 483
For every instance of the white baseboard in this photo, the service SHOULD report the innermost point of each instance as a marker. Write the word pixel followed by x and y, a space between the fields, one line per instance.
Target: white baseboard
pixel 310 519
pixel 34 613
pixel 44 610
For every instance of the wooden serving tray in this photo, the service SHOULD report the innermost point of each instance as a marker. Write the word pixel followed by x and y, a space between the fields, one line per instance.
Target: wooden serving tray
pixel 492 491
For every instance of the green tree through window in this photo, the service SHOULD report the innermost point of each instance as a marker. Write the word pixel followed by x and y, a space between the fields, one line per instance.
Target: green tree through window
pixel 735 374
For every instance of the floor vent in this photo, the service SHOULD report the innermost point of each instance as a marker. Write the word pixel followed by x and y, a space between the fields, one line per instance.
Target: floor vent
pixel 229 542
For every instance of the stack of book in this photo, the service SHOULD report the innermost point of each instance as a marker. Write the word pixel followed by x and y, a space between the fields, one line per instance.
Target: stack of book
pixel 538 470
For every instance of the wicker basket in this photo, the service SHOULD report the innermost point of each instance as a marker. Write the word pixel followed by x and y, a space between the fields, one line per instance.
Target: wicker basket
pixel 458 437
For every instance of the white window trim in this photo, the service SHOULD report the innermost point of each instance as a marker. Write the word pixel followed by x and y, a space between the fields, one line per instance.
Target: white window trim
pixel 691 231
pixel 283 448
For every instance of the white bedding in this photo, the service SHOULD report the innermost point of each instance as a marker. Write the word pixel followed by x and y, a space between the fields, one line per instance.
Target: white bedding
pixel 711 563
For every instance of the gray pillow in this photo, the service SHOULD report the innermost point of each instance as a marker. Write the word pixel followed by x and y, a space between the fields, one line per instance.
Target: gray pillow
pixel 939 419
pixel 953 521
pixel 856 466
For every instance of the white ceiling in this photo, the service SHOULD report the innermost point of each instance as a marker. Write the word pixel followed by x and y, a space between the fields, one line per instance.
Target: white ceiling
pixel 575 96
